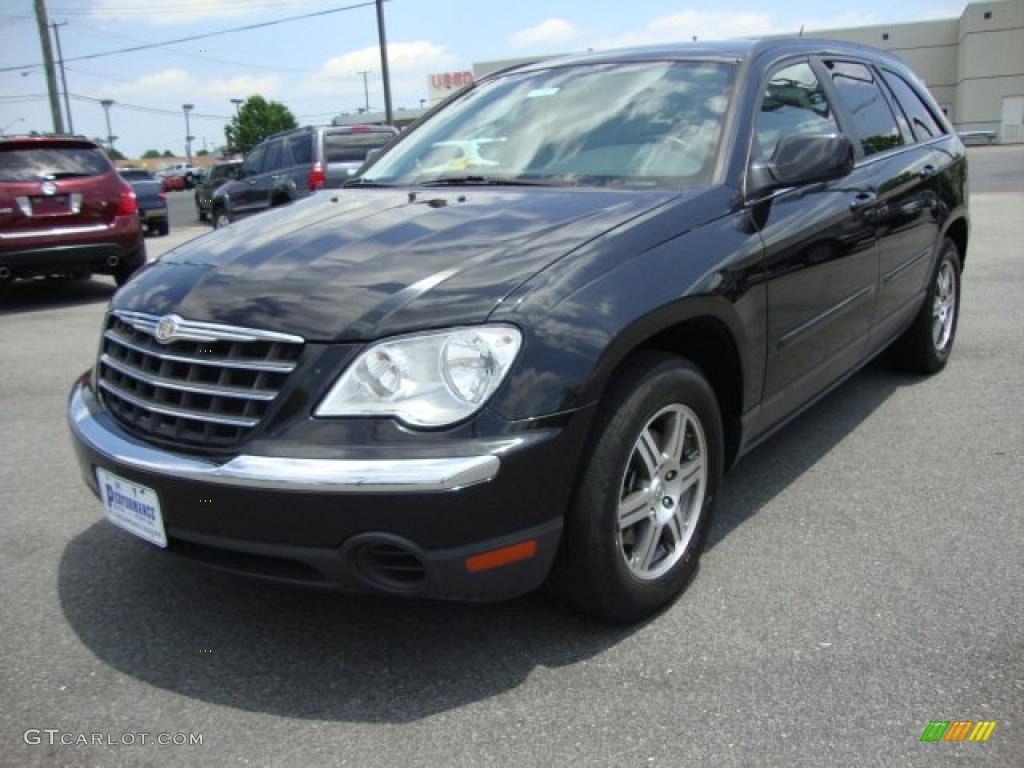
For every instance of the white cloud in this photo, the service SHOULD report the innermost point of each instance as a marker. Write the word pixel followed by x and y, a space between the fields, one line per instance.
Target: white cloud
pixel 409 64
pixel 545 33
pixel 168 12
pixel 722 25
pixel 178 81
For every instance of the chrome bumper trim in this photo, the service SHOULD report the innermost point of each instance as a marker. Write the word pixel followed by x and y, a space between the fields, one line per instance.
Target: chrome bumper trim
pixel 295 474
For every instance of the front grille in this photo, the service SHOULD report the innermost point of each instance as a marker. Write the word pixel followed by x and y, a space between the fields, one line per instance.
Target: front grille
pixel 207 384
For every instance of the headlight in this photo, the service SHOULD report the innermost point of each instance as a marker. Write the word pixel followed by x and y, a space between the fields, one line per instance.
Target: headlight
pixel 426 380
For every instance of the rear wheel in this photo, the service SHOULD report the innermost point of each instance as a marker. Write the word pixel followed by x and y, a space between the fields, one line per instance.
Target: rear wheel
pixel 926 345
pixel 163 228
pixel 644 501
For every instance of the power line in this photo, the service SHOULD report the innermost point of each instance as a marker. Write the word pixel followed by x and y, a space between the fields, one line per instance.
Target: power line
pixel 90 32
pixel 205 35
pixel 150 110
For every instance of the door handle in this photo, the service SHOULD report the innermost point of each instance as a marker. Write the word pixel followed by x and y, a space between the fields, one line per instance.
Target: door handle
pixel 928 171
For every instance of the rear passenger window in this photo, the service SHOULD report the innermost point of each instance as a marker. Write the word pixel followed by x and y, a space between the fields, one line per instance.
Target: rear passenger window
pixel 793 103
pixel 274 160
pixel 922 121
pixel 873 120
pixel 301 147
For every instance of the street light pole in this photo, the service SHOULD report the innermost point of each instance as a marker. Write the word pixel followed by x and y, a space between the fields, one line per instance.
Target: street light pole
pixel 63 76
pixel 382 34
pixel 238 103
pixel 188 131
pixel 366 87
pixel 107 103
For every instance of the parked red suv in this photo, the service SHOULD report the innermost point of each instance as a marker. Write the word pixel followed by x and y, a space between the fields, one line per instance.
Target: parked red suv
pixel 64 210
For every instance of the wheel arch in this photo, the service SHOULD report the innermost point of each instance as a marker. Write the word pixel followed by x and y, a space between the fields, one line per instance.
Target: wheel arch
pixel 702 331
pixel 959 232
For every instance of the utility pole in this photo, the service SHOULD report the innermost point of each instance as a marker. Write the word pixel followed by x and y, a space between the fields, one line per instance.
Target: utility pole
pixel 63 76
pixel 51 75
pixel 366 87
pixel 188 131
pixel 107 103
pixel 382 34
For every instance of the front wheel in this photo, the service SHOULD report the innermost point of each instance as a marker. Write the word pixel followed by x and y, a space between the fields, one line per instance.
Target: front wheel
pixel 645 497
pixel 220 218
pixel 926 345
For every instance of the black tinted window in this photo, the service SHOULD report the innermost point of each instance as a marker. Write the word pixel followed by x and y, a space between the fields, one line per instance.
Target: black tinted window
pixel 301 147
pixel 223 172
pixel 274 159
pixel 254 162
pixel 38 163
pixel 793 103
pixel 132 174
pixel 873 120
pixel 923 123
pixel 352 147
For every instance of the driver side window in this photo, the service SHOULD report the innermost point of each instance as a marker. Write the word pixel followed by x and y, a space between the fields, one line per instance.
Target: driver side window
pixel 793 102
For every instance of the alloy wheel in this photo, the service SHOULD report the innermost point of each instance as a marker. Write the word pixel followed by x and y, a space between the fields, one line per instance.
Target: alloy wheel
pixel 662 492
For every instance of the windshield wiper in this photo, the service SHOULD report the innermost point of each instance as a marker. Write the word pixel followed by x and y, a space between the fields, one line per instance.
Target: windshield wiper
pixel 496 181
pixel 365 183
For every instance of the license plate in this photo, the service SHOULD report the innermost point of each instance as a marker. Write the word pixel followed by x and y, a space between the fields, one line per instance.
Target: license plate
pixel 50 206
pixel 156 213
pixel 133 507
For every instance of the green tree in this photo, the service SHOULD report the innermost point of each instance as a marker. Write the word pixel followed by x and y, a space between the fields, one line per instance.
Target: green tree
pixel 149 154
pixel 167 153
pixel 257 119
pixel 202 153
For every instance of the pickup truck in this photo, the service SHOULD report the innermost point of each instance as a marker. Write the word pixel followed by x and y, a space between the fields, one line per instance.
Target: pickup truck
pixel 149 191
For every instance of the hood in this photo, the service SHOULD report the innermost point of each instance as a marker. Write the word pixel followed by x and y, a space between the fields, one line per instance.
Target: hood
pixel 358 264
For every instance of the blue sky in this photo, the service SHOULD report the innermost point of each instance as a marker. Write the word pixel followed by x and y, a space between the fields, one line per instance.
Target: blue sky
pixel 311 65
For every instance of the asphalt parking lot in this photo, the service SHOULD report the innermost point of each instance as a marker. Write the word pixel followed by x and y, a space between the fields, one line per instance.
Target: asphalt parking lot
pixel 865 576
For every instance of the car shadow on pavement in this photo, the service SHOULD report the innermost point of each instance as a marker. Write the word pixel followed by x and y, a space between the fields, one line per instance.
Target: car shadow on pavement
pixel 320 655
pixel 41 294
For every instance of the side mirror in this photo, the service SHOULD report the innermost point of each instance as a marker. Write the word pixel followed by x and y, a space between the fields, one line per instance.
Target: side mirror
pixel 802 158
pixel 373 154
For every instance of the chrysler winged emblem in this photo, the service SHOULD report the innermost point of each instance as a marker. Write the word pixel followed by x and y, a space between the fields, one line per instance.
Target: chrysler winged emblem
pixel 166 329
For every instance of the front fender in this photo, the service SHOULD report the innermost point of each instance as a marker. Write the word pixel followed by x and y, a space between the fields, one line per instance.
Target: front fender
pixel 571 349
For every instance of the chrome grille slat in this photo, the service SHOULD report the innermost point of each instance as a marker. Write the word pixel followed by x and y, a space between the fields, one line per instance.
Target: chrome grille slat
pixel 241 365
pixel 178 412
pixel 159 381
pixel 189 382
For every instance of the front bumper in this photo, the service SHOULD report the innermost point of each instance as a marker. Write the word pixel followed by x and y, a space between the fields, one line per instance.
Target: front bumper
pixel 350 523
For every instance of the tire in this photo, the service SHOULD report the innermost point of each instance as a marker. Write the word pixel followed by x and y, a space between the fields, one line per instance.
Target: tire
pixel 926 345
pixel 626 573
pixel 123 274
pixel 163 228
pixel 201 214
pixel 220 218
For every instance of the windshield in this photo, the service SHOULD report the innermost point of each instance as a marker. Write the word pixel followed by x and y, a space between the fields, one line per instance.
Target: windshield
pixel 643 124
pixel 40 163
pixel 131 174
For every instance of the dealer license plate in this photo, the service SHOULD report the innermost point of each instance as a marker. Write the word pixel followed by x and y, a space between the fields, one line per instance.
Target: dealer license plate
pixel 133 507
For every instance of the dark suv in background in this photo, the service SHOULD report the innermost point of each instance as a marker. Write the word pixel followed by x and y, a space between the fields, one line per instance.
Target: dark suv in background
pixel 216 176
pixel 64 210
pixel 292 164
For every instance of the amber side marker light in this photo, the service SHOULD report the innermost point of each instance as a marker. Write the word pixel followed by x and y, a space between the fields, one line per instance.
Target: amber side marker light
pixel 496 558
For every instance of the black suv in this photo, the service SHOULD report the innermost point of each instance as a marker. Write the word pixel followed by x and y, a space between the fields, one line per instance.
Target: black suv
pixel 292 164
pixel 214 177
pixel 526 342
